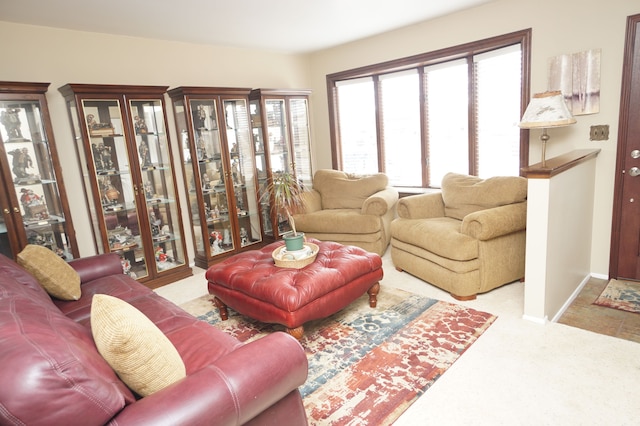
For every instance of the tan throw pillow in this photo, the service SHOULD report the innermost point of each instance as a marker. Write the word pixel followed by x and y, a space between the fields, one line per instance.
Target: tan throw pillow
pixel 133 346
pixel 55 275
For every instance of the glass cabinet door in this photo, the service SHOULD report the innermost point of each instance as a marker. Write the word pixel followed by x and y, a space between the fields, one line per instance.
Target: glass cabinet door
pixel 281 134
pixel 156 171
pixel 278 136
pixel 109 156
pixel 301 139
pixel 211 195
pixel 126 160
pixel 220 170
pixel 33 200
pixel 243 171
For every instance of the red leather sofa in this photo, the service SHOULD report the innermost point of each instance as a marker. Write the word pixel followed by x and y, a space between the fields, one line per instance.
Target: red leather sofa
pixel 51 372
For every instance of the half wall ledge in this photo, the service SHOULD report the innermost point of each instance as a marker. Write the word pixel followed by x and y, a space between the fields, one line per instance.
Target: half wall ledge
pixel 559 229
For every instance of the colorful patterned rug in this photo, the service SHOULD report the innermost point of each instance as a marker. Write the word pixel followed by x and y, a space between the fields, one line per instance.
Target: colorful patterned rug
pixel 368 365
pixel 622 295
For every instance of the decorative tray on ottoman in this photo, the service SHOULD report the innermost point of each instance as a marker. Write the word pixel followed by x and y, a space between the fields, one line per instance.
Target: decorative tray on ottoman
pixel 295 259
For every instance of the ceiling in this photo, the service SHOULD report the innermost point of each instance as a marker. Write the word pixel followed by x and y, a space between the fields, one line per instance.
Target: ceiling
pixel 287 26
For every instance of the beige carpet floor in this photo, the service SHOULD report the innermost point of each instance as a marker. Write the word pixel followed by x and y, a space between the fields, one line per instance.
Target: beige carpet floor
pixel 519 372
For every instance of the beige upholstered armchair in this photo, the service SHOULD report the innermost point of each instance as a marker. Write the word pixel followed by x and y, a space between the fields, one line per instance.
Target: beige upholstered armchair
pixel 348 209
pixel 467 239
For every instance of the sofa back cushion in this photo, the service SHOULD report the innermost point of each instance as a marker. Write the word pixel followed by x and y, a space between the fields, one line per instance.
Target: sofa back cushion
pixel 463 194
pixel 340 190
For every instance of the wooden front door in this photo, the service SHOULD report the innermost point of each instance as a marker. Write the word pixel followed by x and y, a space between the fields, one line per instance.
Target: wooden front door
pixel 625 236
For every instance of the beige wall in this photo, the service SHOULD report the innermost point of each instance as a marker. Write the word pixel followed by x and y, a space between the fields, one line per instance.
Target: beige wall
pixel 568 26
pixel 559 27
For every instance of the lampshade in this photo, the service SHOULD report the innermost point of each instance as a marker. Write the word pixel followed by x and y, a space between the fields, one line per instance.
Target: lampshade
pixel 545 110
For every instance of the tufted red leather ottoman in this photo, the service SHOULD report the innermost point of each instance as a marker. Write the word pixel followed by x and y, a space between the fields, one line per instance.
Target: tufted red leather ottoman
pixel 252 285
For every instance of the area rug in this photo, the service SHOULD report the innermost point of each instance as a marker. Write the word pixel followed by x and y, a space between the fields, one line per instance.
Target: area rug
pixel 622 295
pixel 368 365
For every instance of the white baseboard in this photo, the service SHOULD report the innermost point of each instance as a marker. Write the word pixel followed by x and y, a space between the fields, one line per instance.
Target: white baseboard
pixel 573 296
pixel 541 321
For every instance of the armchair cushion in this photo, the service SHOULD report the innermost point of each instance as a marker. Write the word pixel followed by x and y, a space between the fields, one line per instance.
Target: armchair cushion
pixel 464 194
pixel 338 221
pixel 340 190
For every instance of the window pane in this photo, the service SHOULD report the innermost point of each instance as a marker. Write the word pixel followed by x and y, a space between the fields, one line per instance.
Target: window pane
pixel 400 94
pixel 498 76
pixel 357 126
pixel 447 120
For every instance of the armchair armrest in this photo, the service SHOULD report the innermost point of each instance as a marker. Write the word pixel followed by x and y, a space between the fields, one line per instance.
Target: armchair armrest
pixel 238 387
pixel 101 265
pixel 421 206
pixel 492 223
pixel 312 201
pixel 381 202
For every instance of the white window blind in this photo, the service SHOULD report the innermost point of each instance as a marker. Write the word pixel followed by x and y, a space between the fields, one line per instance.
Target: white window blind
pixel 497 85
pixel 357 125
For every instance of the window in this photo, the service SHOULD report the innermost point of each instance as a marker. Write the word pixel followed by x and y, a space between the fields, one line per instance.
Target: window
pixel 418 118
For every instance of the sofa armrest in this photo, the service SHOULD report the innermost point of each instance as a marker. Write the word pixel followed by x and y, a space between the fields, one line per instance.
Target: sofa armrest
pixel 381 202
pixel 421 206
pixel 312 201
pixel 101 265
pixel 231 391
pixel 492 223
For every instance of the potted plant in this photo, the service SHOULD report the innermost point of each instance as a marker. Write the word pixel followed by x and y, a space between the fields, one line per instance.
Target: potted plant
pixel 286 193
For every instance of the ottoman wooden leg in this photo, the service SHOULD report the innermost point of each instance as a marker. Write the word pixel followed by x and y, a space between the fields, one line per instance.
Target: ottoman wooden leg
pixel 373 295
pixel 297 332
pixel 222 308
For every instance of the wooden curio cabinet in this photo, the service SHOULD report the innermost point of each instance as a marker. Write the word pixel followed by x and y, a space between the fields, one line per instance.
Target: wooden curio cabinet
pixel 282 139
pixel 220 170
pixel 32 194
pixel 126 161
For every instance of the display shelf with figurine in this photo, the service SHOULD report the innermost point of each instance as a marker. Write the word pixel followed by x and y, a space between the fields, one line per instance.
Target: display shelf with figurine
pixel 32 193
pixel 129 178
pixel 220 170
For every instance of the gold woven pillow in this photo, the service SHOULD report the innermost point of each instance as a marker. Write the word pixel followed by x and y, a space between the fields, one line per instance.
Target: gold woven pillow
pixel 134 347
pixel 55 275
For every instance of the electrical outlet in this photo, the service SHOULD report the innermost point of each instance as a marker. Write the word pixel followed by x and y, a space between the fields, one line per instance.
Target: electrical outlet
pixel 599 133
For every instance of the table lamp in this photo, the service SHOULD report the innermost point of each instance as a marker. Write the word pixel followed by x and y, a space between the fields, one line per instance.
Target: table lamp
pixel 546 110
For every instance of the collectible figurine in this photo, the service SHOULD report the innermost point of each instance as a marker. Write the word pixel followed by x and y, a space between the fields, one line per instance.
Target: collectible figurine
pixel 11 122
pixel 140 126
pixel 21 162
pixel 145 154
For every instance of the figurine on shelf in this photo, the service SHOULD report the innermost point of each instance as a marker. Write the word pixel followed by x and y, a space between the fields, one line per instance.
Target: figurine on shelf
pixel 34 205
pixel 140 126
pixel 201 149
pixel 105 156
pixel 227 237
pixel 148 190
pixel 244 237
pixel 155 224
pixel 11 122
pixel 235 172
pixel 97 156
pixel 98 129
pixel 206 183
pixel 126 268
pixel 109 192
pixel 215 239
pixel 145 154
pixel 200 117
pixel 21 162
